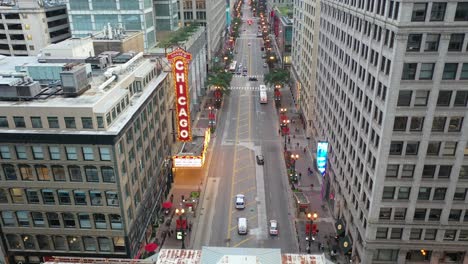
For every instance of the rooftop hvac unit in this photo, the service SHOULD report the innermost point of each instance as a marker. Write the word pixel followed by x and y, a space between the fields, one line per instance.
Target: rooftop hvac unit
pixel 74 81
pixel 17 89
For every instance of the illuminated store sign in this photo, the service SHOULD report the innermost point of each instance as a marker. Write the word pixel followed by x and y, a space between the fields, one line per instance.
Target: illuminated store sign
pixel 322 156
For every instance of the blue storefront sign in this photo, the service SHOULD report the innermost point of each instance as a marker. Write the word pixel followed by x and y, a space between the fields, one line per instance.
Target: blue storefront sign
pixel 322 156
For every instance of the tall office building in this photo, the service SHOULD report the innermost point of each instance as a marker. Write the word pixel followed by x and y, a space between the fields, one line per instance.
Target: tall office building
pixel 211 15
pixel 27 26
pixel 391 100
pixel 166 15
pixel 83 166
pixel 91 16
pixel 304 57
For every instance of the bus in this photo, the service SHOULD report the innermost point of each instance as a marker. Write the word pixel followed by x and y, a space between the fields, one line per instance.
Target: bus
pixel 233 66
pixel 263 94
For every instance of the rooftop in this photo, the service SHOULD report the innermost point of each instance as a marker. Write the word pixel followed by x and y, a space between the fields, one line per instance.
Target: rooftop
pixel 285 10
pixel 182 34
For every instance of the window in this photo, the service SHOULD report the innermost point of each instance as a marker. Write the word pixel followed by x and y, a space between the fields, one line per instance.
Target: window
pixel 408 171
pixel 89 242
pixel 85 220
pixel 104 244
pixel 100 121
pixel 419 12
pixel 450 148
pixel 58 172
pixel 75 173
pixel 53 122
pixel 68 220
pixel 26 172
pixel 450 235
pixel 59 242
pixel 107 174
pixel 412 148
pixel 48 197
pixel 438 123
pixel 104 153
pixel 381 233
pixel 460 194
pixel 71 153
pixel 10 172
pixel 456 42
pixel 21 152
pixel 5 152
pixel 88 153
pixel 424 193
pixel 70 122
pixel 3 196
pixel 464 72
pixel 385 213
pixel 396 148
pixel 100 221
pixel 32 196
pixel 38 154
pixel 461 14
pixel 419 214
pixel 38 219
pixel 400 123
pixel 91 174
pixel 433 148
pixel 404 193
pixel 461 98
pixel 438 11
pixel 414 42
pixel 430 234
pixel 444 171
pixel 434 214
pixel 19 122
pixel 463 172
pixel 54 153
pixel 455 215
pixel 396 233
pixel 17 195
pixel 8 218
pixel 23 218
pixel 415 234
pixel 463 235
pixel 392 170
pixel 112 199
pixel 400 214
pixel 404 98
pixel 53 219
pixel 36 122
pixel 427 69
pixel 95 197
pixel 64 197
pixel 455 124
pixel 409 71
pixel 116 221
pixel 439 194
pixel 432 42
pixel 444 98
pixel 80 197
pixel 3 122
pixel 386 255
pixel 421 98
pixel 87 122
pixel 388 192
pixel 450 71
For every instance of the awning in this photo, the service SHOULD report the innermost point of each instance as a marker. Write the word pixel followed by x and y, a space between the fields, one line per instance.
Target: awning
pixel 345 244
pixel 340 228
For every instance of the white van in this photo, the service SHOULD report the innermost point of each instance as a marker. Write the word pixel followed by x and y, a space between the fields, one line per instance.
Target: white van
pixel 240 201
pixel 242 228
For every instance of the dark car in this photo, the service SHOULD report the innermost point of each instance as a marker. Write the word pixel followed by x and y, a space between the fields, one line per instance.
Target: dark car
pixel 253 78
pixel 260 160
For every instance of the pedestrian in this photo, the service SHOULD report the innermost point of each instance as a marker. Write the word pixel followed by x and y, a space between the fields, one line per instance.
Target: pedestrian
pixel 289 140
pixel 169 234
pixel 304 150
pixel 279 131
pixel 300 175
pixel 297 144
pixel 172 198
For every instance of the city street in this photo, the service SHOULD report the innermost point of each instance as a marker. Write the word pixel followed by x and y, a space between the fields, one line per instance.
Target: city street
pixel 247 128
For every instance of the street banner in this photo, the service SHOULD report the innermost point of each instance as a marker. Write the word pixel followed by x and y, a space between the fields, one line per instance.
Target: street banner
pixel 322 156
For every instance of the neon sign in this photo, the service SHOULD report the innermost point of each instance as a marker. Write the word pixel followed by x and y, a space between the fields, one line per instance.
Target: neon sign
pixel 189 161
pixel 322 155
pixel 180 60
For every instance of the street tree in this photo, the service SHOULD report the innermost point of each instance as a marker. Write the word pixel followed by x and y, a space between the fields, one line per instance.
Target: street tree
pixel 277 77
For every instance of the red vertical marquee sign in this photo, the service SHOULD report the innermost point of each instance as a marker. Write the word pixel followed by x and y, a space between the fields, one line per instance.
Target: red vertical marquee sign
pixel 180 61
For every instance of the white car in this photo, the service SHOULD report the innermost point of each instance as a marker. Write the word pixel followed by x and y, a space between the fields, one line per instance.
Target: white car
pixel 240 201
pixel 265 65
pixel 273 228
pixel 249 43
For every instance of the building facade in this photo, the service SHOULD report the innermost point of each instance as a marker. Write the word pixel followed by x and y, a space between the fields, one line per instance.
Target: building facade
pixel 304 58
pixel 85 175
pixel 211 15
pixel 28 26
pixel 391 100
pixel 166 15
pixel 92 16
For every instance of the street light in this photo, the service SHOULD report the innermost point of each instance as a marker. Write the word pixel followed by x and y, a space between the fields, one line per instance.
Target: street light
pixel 277 86
pixel 180 212
pixel 284 128
pixel 294 157
pixel 312 217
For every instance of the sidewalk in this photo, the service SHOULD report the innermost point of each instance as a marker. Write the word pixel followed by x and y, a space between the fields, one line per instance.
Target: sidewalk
pixel 310 185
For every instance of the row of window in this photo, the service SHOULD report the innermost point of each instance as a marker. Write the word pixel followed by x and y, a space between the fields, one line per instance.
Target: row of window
pixel 424 193
pixel 446 98
pixel 54 153
pixel 52 122
pixel 421 234
pixel 57 173
pixel 439 123
pixel 446 148
pixel 438 11
pixel 451 71
pixel 65 243
pixel 406 171
pixel 61 197
pixel 456 42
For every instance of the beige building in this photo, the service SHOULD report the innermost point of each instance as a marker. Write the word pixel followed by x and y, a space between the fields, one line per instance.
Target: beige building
pixel 26 26
pixel 84 166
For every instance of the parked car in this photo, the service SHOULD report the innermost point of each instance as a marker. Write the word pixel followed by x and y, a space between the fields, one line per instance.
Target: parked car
pixel 240 201
pixel 263 55
pixel 260 160
pixel 273 228
pixel 251 78
pixel 265 65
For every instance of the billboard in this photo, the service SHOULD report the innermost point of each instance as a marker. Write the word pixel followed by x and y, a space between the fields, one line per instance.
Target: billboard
pixel 180 61
pixel 322 156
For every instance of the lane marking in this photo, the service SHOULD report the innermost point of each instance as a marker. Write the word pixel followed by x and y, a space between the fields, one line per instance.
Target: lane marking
pixel 243 241
pixel 244 179
pixel 243 168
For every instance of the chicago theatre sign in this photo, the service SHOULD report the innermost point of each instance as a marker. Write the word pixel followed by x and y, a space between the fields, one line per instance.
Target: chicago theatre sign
pixel 180 61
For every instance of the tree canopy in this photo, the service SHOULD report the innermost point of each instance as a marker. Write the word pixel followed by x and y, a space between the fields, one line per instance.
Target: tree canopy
pixel 277 76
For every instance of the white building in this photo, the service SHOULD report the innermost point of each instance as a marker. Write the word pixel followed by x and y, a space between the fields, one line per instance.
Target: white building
pixel 26 26
pixel 391 99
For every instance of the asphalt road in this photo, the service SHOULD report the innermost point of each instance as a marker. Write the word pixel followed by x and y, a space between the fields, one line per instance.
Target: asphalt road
pixel 247 128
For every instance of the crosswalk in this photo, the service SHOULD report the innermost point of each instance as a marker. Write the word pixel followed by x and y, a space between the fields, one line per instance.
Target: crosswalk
pixel 247 88
pixel 240 76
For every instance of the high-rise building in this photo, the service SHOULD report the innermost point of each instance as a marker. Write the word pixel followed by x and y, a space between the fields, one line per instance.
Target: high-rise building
pixel 27 26
pixel 304 57
pixel 91 16
pixel 83 165
pixel 391 100
pixel 166 15
pixel 210 15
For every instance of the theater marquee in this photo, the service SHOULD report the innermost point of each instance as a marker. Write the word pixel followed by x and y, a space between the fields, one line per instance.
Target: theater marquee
pixel 180 60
